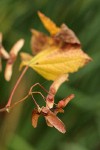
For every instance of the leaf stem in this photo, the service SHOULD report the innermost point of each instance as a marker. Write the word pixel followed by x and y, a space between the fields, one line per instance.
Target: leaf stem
pixel 15 87
pixel 8 108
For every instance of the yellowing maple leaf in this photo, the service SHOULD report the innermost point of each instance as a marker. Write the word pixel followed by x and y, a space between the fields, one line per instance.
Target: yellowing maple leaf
pixel 60 53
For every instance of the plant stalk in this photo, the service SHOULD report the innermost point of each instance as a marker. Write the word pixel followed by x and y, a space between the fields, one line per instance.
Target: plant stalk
pixel 15 87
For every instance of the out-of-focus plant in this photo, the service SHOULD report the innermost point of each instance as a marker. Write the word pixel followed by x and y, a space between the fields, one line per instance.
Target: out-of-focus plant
pixel 55 57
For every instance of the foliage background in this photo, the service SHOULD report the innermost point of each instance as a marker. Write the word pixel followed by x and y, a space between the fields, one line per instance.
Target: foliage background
pixel 82 115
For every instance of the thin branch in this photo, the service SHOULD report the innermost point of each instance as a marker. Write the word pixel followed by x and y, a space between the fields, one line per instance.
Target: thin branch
pixel 3 109
pixel 40 87
pixel 36 92
pixel 15 87
pixel 8 108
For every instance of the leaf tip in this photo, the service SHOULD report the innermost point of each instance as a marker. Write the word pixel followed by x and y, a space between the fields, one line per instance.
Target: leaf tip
pixel 48 23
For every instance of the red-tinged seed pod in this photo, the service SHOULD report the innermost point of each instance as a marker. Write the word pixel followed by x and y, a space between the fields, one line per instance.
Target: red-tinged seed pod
pixel 4 54
pixel 55 121
pixel 57 83
pixel 61 104
pixel 50 100
pixel 17 47
pixel 65 101
pixel 53 89
pixel 8 71
pixel 35 116
pixel 13 55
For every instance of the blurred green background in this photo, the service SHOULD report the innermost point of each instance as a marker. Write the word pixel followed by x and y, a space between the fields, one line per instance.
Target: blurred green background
pixel 82 115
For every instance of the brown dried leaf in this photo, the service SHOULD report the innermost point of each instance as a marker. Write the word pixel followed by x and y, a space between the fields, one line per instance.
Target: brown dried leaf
pixel 67 36
pixel 40 41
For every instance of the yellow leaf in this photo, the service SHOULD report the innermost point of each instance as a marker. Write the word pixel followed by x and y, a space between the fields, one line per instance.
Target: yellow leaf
pixel 57 54
pixel 52 63
pixel 49 24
